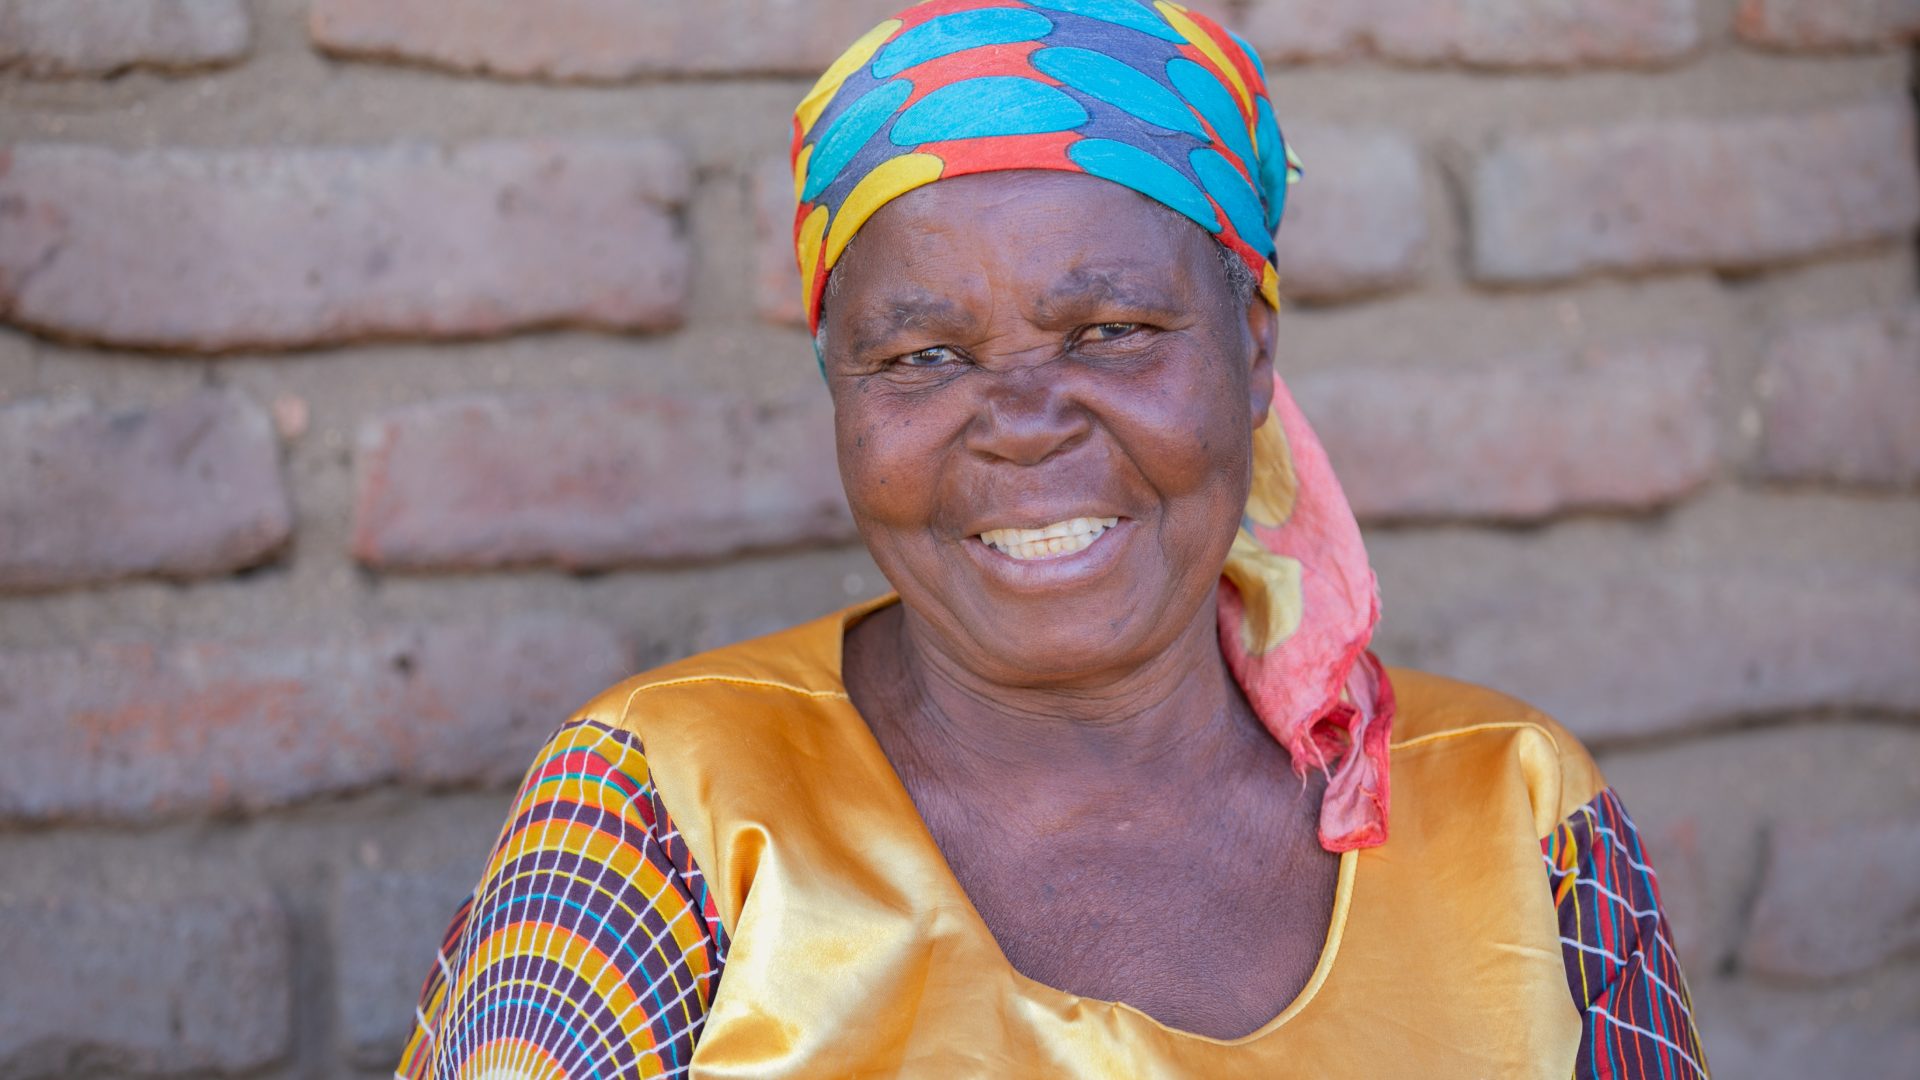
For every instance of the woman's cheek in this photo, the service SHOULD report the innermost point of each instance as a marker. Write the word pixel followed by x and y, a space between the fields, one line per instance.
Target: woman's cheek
pixel 1192 439
pixel 885 474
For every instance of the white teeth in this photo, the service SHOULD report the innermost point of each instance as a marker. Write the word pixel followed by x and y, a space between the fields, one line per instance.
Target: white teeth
pixel 1060 538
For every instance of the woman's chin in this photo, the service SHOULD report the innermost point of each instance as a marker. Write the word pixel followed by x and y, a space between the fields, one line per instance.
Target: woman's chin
pixel 1064 643
pixel 1062 661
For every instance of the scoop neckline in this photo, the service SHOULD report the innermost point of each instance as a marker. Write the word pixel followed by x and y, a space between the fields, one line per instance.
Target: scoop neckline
pixel 947 882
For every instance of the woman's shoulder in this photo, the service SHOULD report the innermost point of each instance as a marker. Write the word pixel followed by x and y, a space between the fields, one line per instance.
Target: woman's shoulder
pixel 1461 730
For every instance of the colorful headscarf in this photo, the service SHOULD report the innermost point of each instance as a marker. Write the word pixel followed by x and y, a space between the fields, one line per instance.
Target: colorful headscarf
pixel 1165 102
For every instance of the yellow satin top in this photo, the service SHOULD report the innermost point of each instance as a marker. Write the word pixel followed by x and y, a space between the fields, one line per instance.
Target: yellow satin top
pixel 856 953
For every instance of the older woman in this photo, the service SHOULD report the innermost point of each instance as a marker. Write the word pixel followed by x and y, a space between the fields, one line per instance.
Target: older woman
pixel 1104 790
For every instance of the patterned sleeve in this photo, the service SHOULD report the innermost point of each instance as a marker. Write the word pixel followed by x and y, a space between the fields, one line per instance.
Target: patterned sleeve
pixel 1637 1016
pixel 591 946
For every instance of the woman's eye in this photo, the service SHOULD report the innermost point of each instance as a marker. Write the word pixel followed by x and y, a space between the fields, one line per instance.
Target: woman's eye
pixel 1111 331
pixel 922 358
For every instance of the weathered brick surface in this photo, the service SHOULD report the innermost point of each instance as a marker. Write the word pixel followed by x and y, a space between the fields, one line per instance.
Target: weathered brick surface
pixel 1486 33
pixel 1685 894
pixel 1842 401
pixel 1521 439
pixel 1617 656
pixel 103 37
pixel 593 482
pixel 1779 1040
pixel 184 489
pixel 777 276
pixel 1872 867
pixel 1711 569
pixel 117 730
pixel 387 924
pixel 1733 193
pixel 1828 24
pixel 1357 223
pixel 222 249
pixel 1706 806
pixel 173 978
pixel 598 39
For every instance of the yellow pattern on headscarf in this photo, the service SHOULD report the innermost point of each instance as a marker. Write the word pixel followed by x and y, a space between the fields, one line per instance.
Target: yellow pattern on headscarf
pixel 828 85
pixel 1269 582
pixel 812 232
pixel 1270 503
pixel 1269 585
pixel 1176 17
pixel 888 181
pixel 800 172
pixel 1270 286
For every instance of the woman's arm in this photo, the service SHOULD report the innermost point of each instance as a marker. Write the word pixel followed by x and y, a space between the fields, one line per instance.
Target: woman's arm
pixel 590 946
pixel 1625 976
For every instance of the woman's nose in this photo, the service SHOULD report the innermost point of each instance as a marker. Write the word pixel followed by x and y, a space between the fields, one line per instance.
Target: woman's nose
pixel 1026 416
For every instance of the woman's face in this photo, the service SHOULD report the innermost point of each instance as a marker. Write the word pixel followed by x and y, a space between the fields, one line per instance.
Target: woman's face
pixel 1044 397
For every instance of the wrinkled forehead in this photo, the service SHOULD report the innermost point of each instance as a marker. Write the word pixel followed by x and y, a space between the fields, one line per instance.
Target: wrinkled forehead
pixel 1033 234
pixel 1029 213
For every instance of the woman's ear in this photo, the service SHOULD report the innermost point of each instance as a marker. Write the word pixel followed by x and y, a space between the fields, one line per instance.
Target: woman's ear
pixel 1263 327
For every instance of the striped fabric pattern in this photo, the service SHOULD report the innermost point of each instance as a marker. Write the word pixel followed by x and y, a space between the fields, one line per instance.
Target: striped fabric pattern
pixel 591 947
pixel 1621 965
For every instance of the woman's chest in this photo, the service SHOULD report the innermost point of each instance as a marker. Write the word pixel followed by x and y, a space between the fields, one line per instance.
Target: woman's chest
pixel 854 949
pixel 1201 933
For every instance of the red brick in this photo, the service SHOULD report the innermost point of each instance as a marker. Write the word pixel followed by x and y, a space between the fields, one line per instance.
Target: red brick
pixel 1523 439
pixel 185 489
pixel 777 287
pixel 121 730
pixel 1828 24
pixel 105 37
pixel 147 977
pixel 1481 33
pixel 598 39
pixel 1356 223
pixel 1872 868
pixel 224 249
pixel 1735 193
pixel 1778 1040
pixel 1705 806
pixel 1617 655
pixel 1843 401
pixel 1295 30
pixel 594 482
pixel 1674 852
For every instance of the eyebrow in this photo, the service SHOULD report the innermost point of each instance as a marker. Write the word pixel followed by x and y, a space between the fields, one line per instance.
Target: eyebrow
pixel 1087 287
pixel 903 311
pixel 1082 289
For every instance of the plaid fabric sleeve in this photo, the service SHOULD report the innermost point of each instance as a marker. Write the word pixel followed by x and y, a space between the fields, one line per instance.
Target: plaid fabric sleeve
pixel 590 947
pixel 1614 937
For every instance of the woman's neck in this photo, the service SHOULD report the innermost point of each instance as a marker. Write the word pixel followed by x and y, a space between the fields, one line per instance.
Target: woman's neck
pixel 1177 718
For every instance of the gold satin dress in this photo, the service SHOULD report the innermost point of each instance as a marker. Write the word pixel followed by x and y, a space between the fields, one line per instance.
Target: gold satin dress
pixel 819 931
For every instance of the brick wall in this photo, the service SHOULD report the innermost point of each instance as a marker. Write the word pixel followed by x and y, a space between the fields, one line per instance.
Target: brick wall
pixel 380 377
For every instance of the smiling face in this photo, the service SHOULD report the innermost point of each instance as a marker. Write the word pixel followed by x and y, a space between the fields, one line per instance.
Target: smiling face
pixel 1044 391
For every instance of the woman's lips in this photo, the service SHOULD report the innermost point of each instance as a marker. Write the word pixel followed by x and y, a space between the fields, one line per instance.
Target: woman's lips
pixel 1048 541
